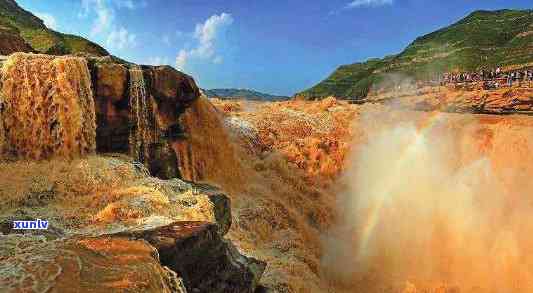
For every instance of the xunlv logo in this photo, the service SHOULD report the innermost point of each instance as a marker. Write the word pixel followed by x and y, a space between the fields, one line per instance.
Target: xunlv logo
pixel 30 225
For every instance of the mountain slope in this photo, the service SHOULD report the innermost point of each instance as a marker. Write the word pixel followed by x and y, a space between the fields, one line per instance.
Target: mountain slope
pixel 20 26
pixel 484 39
pixel 242 93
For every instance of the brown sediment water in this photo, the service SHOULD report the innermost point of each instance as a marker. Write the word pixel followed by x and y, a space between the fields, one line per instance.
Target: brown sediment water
pixel 208 154
pixel 425 201
pixel 435 203
pixel 48 107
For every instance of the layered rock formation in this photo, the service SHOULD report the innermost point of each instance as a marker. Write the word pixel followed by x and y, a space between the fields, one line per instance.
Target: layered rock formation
pixel 472 98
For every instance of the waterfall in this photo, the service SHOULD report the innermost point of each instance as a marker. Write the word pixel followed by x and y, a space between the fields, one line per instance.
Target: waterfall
pixel 208 154
pixel 140 134
pixel 47 107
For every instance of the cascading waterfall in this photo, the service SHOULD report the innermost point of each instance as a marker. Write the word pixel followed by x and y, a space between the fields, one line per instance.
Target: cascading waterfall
pixel 208 153
pixel 140 135
pixel 47 107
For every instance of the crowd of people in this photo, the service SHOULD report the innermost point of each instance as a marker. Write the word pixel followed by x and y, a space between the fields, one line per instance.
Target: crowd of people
pixel 491 79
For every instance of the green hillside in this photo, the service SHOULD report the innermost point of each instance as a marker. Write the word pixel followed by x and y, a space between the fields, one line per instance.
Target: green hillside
pixel 484 39
pixel 17 22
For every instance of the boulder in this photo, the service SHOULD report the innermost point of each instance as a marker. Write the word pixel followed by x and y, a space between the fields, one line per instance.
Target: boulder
pixel 172 86
pixel 180 257
pixel 205 261
pixel 173 92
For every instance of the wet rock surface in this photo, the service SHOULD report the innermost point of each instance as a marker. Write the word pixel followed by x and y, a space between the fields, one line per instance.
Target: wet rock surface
pixel 205 261
pixel 138 109
pixel 105 264
pixel 152 235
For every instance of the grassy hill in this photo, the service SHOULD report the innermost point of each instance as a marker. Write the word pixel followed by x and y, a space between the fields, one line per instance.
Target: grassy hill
pixel 484 39
pixel 20 24
pixel 242 94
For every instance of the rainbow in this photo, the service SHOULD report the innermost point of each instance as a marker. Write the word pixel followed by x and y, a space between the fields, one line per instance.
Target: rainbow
pixel 386 187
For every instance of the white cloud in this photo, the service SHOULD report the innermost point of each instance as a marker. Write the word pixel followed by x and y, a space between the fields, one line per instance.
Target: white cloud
pixel 205 35
pixel 207 31
pixel 104 25
pixel 368 3
pixel 181 59
pixel 48 19
pixel 121 39
pixel 104 15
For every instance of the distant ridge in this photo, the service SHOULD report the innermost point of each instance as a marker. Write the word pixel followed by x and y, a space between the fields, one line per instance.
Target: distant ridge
pixel 483 39
pixel 242 94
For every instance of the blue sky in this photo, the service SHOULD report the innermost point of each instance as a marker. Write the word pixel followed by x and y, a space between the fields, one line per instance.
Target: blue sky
pixel 278 47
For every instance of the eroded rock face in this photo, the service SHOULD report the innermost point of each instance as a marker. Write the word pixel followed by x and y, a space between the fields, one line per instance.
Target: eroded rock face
pixel 112 113
pixel 172 86
pixel 111 81
pixel 138 109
